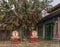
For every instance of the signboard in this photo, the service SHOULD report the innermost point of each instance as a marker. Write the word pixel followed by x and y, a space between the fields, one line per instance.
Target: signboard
pixel 33 34
pixel 15 35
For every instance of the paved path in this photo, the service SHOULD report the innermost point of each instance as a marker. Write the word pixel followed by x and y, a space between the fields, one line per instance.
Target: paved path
pixel 42 43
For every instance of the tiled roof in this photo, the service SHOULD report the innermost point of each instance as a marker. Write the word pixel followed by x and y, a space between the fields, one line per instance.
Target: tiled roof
pixel 54 8
pixel 53 13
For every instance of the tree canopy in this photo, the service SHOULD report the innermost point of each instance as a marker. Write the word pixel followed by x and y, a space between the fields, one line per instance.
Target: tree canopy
pixel 21 13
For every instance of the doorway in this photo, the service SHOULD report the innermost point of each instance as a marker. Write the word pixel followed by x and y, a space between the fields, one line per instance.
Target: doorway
pixel 40 32
pixel 49 31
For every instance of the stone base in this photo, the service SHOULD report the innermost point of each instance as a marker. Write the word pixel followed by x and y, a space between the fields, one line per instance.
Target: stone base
pixel 15 42
pixel 33 40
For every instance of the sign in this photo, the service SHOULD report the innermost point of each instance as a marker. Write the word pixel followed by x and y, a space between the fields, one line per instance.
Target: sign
pixel 15 35
pixel 33 34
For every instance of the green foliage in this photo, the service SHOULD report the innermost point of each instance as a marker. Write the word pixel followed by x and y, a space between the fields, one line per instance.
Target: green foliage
pixel 26 12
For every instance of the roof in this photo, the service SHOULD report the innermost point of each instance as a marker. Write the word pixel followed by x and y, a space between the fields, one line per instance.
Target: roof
pixel 54 8
pixel 54 13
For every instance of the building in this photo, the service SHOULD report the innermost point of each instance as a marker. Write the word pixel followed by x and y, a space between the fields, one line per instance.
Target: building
pixel 49 26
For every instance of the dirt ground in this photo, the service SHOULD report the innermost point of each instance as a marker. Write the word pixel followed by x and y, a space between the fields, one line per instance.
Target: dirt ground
pixel 41 43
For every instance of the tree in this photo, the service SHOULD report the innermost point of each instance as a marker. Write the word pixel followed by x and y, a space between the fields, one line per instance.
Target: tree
pixel 23 14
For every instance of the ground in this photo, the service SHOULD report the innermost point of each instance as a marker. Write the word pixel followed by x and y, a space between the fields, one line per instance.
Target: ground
pixel 41 43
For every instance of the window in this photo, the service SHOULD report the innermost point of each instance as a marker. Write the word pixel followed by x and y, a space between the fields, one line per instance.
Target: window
pixel 56 27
